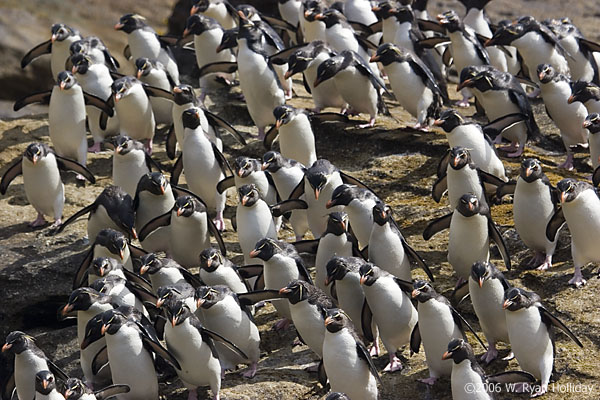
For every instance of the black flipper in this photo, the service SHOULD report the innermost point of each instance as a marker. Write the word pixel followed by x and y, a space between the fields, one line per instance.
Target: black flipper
pixel 250 271
pixel 12 172
pixel 161 351
pixel 251 298
pixel 596 177
pixel 171 142
pixel 190 278
pixel 350 180
pixel 443 164
pixel 427 25
pixel 306 85
pixel 437 225
pixel 58 373
pixel 223 163
pixel 259 284
pixel 111 391
pixel 439 188
pixel 158 92
pixel 433 42
pixel 137 279
pixel 145 295
pixel 496 236
pixel 41 97
pixel 361 28
pixel 220 122
pixel 68 164
pixel 363 353
pixel 225 184
pixel 307 246
pixel 460 293
pixel 548 318
pixel 366 320
pixel 322 374
pixel 177 170
pixel 511 377
pixel 415 339
pixel 406 286
pixel 217 235
pixel 499 125
pixel 329 116
pixel 286 206
pixel 127 52
pixel 228 67
pixel 153 224
pixel 270 137
pixel 298 190
pixel 87 209
pixel 136 252
pixel 486 177
pixel 97 102
pixel 40 49
pixel 412 254
pixel 99 360
pixel 82 272
pixel 505 189
pixel 447 58
pixel 151 164
pixel 215 336
pixel 461 322
pixel 555 223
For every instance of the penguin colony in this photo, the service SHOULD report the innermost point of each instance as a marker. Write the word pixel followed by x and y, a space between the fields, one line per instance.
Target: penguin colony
pixel 142 312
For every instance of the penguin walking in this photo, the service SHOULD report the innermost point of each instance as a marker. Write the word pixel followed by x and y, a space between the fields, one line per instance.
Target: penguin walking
pixel 66 115
pixel 220 10
pixel 535 201
pixel 311 27
pixel 130 163
pixel 153 73
pixel 124 293
pixel 346 359
pixel 216 269
pixel 41 179
pixel 569 118
pixel 254 220
pixel 296 137
pixel 340 35
pixel 579 206
pixel 529 326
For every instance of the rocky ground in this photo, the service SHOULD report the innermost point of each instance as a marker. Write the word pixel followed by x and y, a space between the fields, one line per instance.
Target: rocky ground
pixel 36 269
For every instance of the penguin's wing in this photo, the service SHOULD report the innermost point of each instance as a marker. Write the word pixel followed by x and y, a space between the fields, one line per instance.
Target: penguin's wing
pixel 223 163
pixel 15 170
pixel 251 298
pixel 111 62
pixel 58 373
pixel 406 286
pixel 496 236
pixel 72 165
pixel 157 348
pixel 460 293
pixel 111 391
pixel 286 206
pixel 511 377
pixel 434 41
pixel 85 210
pixel 137 279
pixel 151 164
pixel 366 319
pixel 365 43
pixel 100 360
pixel 249 271
pixel 116 75
pixel 177 170
pixel 40 97
pixel 155 223
pixel 304 274
pixel 82 272
pixel 270 137
pixel 439 188
pixel 596 177
pixel 350 180
pixel 215 120
pixel 447 57
pixel 428 25
pixel 143 294
pixel 278 23
pixel 103 117
pixel 550 319
pixel 159 326
pixel 461 322
pixel 442 167
pixel 360 28
pixel 225 184
pixel 520 99
pixel 364 69
pixel 228 67
pixel 499 125
pixel 259 284
pixel 97 102
pixel 306 85
pixel 127 52
pixel 481 51
pixel 412 254
pixel 215 336
pixel 329 116
pixel 157 92
pixel 506 188
pixel 171 142
pixel 10 389
pixel 555 223
pixel 40 49
pixel 437 225
pixel 136 252
pixel 282 57
pixel 190 278
pixel 307 246
pixel 363 353
pixel 298 190
pixel 589 45
pixel 217 235
pixel 486 177
pixel 415 339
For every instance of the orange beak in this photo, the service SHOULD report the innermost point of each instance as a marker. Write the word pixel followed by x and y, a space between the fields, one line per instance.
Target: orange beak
pixel 363 279
pixel 35 159
pixel 6 347
pixel 320 17
pixel 62 86
pixel 194 10
pixel 415 293
pixel 254 253
pixel 438 122
pixel 480 282
pixel 244 200
pixel 66 309
pixel 160 302
pixel 278 123
pixel 144 269
pixel 284 290
pixel 463 84
pixel 265 166
pixel 104 329
pixel 240 172
pixel 506 304
pixel 528 172
pixel 328 321
pixel 45 384
pixel 121 254
pixel 119 26
pixel 446 356
pixel 139 73
pixel 74 69
pixel 288 74
pixel 174 321
pixel 101 271
pixel 329 204
pixel 134 233
pixel 562 197
pixel 374 58
pixel 186 32
pixel 586 124
pixel 179 212
pixel 199 303
pixel 317 191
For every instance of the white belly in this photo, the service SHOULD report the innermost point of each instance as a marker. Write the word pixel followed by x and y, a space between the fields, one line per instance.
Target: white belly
pixel 351 298
pixel 497 104
pixel 581 215
pixel 43 188
pixel 482 153
pixel 468 242
pixel 254 223
pixel 329 245
pixel 223 276
pixel 27 365
pixel 310 324
pixel 464 379
pixel 463 51
pixel 316 212
pixel 387 252
pixel 361 220
pixel 463 181
pixel 137 119
pixel 326 94
pixel 357 90
pixel 567 117
pixel 536 51
pixel 297 141
pixel 128 169
pixel 407 87
pixel 66 120
pixel 532 210
pixel 189 236
pixel 594 145
pixel 487 303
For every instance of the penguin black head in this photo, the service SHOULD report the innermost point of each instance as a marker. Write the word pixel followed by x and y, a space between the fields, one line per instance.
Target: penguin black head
pixel 331 17
pixel 93 330
pixel 145 65
pixel 119 206
pixel 228 40
pixel 423 291
pixel 61 32
pixel 186 206
pixel 477 4
pixel 583 91
pixel 81 63
pixel 469 205
pixel 266 248
pixel 36 151
pixel 248 195
pixel 300 59
pixel 124 145
pixel 449 119
pixel 312 8
pixel 388 53
pixel 75 389
pixel 382 213
pixel 383 10
pixel 459 158
pixel 342 195
pixel 328 69
pixel 592 123
pixel 531 170
pixel 45 382
pixel 478 77
pixel 208 296
pixel 191 118
pixel 248 11
pixel 130 22
pixel 112 321
pixel 151 263
pixel 210 259
pixel 297 291
pixel 337 223
pixel 569 189
pixel 318 174
pixel 450 21
pixel 244 166
pixel 517 298
pixel 153 182
pixel 183 94
pixel 167 294
pixel 338 267
pixel 177 311
pixel 197 24
pixel 337 396
pixel 17 342
pixel 106 284
pixel 336 320
pixel 546 73
pixel 273 161
pixel 82 298
pixel 404 14
pixel 199 6
pixel 369 273
pixel 85 45
pixel 65 80
pixel 113 240
pixel 459 350
pixel 101 266
pixel 481 271
pixel 249 31
pixel 506 34
pixel 121 87
pixel 284 114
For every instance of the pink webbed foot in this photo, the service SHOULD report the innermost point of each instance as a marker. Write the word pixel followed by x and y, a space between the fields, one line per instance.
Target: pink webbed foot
pixel 464 103
pixel 568 164
pixel 192 395
pixel 421 127
pixel 39 221
pixel 509 357
pixel 547 263
pixel 288 94
pixel 251 371
pixel 148 147
pixel 56 224
pixel 95 148
pixel 490 355
pixel 539 390
pixel 393 365
pixel 374 349
pixel 537 259
pixel 219 222
pixel 428 381
pixel 577 278
pixel 282 324
pixel 370 124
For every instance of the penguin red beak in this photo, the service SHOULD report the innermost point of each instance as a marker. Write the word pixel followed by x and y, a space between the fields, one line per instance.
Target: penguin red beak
pixel 586 123
pixel 254 253
pixel 329 204
pixel 317 82
pixel 209 262
pixel 53 38
pixel 455 161
pixel 242 15
pixel 471 206
pixel 284 290
pixel 186 33
pixel 240 172
pixel 119 26
pixel 66 309
pixel 464 84
pixel 199 303
pixel 363 279
pixel 68 394
pixel 163 188
pixel 541 75
pixel 244 200
pixel 375 8
pixel 45 384
pixel 118 149
pixel 104 329
pixel 177 89
pixel 563 197
pixel 507 303
pixel 278 123
pixel 139 73
pixel 174 321
pixel 415 293
pixel 101 271
pixel 343 224
pixel 571 99
pixel 194 10
pixel 6 347
pixel 528 172
pixel 264 166
pixel 374 58
pixel 438 122
pixel 328 321
pixel 134 233
pixel 121 254
pixel 320 17
pixel 480 282
pixel 62 85
pixel 118 97
pixel 307 13
pixel 160 302
pixel 317 191
pixel 35 159
pixel 447 355
pixel 179 211
pixel 288 74
pixel 144 268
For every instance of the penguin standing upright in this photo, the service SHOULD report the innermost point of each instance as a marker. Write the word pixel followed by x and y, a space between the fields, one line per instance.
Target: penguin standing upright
pixel 216 269
pixel 153 73
pixel 165 272
pixel 312 28
pixel 220 10
pixel 130 163
pixel 339 34
pixel 296 137
pixel 254 220
pixel 45 387
pixel 592 124
pixel 94 48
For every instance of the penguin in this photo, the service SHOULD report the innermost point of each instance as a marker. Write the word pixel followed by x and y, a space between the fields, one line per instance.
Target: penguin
pixel 129 349
pixel 306 60
pixel 172 294
pixel 587 93
pixel 144 42
pixel 287 174
pixel 471 228
pixel 356 81
pixel 591 124
pixel 96 80
pixel 87 303
pixel 579 206
pixel 290 11
pixel 392 309
pixel 535 200
pixel 337 396
pixel 463 176
pixel 467 374
pixel 45 387
pixel 96 50
pixel 471 136
pixel 130 163
pixel 311 27
pixel 190 228
pixel 388 249
pixel 486 289
pixel 254 220
pixel 66 115
pixel 220 10
pixel 75 389
pixel 529 326
pixel 438 323
pixel 153 197
pixel 58 48
pixel 339 34
pixel 296 137
pixel 224 315
pixel 113 208
pixel 500 94
pixel 358 203
pixel 216 269
pixel 165 272
pixel 204 165
pixel 153 73
pixel 41 180
pixel 29 360
pixel 282 264
pixel 124 293
pixel 101 267
pixel 346 359
pixel 411 79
